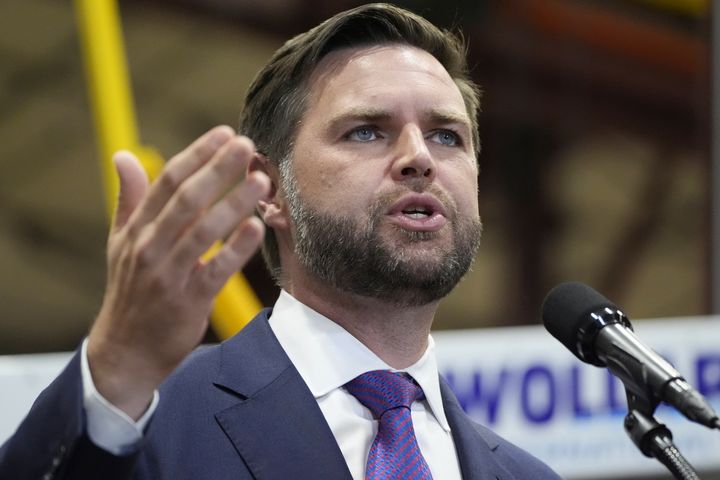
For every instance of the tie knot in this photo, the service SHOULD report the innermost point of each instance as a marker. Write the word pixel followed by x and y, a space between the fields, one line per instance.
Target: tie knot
pixel 381 390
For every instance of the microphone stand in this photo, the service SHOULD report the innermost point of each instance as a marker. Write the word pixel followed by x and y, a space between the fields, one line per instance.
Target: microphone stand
pixel 654 439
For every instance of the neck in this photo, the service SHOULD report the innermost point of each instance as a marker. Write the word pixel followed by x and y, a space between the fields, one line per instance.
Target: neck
pixel 396 334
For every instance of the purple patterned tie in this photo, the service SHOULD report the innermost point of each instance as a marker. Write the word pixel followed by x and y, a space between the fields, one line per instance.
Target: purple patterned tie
pixel 395 453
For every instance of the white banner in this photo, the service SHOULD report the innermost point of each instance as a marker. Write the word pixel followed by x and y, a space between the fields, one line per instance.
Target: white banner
pixel 22 378
pixel 524 385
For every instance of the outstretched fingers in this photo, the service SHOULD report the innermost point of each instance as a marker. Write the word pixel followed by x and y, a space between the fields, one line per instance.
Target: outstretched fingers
pixel 229 213
pixel 231 258
pixel 192 201
pixel 178 169
pixel 133 185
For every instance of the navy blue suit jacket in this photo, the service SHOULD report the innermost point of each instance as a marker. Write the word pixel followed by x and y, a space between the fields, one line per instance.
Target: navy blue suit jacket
pixel 238 410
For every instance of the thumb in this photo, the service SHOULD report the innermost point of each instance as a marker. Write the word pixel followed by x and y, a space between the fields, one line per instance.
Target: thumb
pixel 133 185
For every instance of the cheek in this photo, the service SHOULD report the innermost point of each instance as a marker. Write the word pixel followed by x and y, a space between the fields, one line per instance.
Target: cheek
pixel 324 180
pixel 463 188
pixel 313 173
pixel 335 186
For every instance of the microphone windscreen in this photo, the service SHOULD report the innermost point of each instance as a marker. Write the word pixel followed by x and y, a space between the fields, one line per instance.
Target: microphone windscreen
pixel 567 308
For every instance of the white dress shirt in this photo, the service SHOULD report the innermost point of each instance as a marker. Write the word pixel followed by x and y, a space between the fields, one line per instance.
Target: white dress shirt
pixel 327 357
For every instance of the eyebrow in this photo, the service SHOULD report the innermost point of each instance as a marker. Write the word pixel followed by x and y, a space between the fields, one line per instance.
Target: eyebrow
pixel 362 114
pixel 447 116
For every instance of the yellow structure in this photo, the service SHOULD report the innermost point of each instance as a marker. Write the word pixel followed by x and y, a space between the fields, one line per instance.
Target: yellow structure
pixel 116 129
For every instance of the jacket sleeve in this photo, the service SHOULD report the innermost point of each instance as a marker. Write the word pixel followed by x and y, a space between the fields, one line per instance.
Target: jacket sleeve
pixel 51 442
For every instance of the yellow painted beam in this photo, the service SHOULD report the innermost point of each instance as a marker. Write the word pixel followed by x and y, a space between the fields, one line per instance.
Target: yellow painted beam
pixel 110 95
pixel 116 129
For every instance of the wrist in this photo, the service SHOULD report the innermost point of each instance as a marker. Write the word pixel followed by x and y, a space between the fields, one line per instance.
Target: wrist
pixel 121 378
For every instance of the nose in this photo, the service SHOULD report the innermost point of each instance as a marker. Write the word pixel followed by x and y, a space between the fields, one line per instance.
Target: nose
pixel 413 159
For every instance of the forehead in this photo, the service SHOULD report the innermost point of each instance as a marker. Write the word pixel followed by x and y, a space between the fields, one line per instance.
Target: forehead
pixel 382 75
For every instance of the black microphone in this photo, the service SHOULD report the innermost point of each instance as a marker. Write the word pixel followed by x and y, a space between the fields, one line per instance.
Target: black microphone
pixel 599 333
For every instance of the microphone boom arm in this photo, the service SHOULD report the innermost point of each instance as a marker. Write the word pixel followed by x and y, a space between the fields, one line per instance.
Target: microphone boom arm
pixel 654 440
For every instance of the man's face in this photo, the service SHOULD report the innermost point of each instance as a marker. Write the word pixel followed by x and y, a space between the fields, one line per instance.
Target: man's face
pixel 382 190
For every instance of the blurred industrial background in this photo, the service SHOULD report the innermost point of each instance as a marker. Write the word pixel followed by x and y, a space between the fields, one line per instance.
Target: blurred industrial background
pixel 595 164
pixel 595 158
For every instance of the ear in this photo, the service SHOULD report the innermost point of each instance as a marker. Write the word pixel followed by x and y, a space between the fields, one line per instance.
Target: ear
pixel 273 209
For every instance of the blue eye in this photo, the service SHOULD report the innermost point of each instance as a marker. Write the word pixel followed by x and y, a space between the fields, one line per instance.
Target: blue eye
pixel 363 134
pixel 446 137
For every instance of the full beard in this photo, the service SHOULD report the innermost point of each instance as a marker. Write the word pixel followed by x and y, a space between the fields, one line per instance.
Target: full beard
pixel 354 258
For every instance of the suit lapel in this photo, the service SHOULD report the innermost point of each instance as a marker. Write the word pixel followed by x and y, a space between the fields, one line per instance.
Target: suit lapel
pixel 475 449
pixel 280 432
pixel 277 427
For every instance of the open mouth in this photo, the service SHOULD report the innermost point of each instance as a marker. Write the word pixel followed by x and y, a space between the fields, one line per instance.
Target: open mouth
pixel 417 212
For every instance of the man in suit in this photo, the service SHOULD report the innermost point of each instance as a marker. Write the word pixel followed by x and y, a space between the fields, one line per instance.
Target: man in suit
pixel 363 169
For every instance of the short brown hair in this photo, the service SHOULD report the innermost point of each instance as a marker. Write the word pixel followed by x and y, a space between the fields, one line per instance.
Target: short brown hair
pixel 275 101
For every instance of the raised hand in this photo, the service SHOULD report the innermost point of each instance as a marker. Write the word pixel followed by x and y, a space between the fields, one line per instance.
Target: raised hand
pixel 159 293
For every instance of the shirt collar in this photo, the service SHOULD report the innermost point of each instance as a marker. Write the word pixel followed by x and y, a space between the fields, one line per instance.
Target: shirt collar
pixel 327 356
